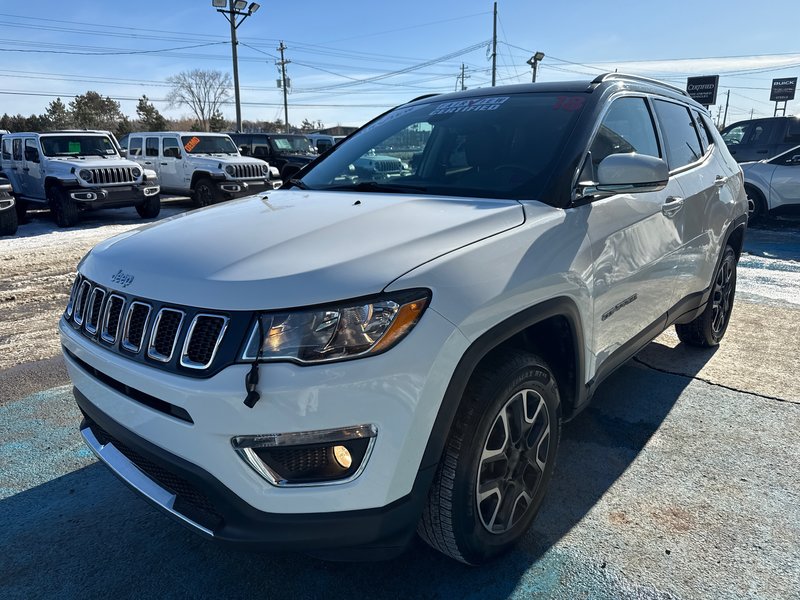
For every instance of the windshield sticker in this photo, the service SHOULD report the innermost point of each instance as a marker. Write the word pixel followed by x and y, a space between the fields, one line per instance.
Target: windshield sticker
pixel 190 145
pixel 282 143
pixel 74 147
pixel 472 105
pixel 569 103
pixel 110 151
pixel 395 114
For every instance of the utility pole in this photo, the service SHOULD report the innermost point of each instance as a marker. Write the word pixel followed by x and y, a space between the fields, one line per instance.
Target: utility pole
pixel 751 113
pixel 727 101
pixel 285 85
pixel 231 10
pixel 719 115
pixel 494 46
pixel 463 77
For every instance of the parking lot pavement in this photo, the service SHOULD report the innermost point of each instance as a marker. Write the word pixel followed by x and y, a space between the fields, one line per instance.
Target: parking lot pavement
pixel 680 481
pixel 667 487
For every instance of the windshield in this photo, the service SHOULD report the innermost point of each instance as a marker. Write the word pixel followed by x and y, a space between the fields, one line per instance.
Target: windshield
pixel 488 147
pixel 208 144
pixel 77 145
pixel 296 144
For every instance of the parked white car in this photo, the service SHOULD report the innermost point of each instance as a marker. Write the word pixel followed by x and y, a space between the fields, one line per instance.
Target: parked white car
pixel 205 166
pixel 352 359
pixel 73 171
pixel 773 185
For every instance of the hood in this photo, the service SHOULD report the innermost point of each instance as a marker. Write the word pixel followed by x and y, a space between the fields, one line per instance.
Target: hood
pixel 91 162
pixel 292 248
pixel 225 159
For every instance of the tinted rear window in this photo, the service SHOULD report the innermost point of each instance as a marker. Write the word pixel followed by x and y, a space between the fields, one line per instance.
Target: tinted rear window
pixel 680 136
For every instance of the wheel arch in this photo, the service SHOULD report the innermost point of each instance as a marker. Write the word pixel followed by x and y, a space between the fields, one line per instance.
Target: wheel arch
pixel 198 175
pixel 534 329
pixel 758 188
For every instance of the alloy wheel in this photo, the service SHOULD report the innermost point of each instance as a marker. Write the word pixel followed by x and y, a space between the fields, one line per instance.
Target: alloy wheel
pixel 512 461
pixel 721 297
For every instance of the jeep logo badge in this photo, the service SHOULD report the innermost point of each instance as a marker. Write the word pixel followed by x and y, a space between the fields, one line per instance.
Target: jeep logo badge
pixel 122 278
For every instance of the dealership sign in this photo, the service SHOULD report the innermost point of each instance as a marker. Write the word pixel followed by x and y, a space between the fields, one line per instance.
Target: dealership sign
pixel 703 90
pixel 783 89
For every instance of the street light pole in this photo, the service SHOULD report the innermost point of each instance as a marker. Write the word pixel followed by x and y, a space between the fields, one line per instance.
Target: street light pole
pixel 231 9
pixel 533 61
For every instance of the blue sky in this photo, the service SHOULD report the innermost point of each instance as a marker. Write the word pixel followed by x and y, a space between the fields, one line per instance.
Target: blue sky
pixel 334 45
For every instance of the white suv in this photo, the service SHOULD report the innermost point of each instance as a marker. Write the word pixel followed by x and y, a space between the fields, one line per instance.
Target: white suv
pixel 73 171
pixel 206 166
pixel 349 360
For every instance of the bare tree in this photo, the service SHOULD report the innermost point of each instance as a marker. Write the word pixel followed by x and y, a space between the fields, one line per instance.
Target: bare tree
pixel 202 91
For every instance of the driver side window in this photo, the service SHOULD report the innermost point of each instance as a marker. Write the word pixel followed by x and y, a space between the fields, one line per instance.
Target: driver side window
pixel 626 127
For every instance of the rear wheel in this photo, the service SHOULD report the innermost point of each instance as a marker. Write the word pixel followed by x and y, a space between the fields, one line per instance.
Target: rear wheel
pixel 205 193
pixel 8 222
pixel 150 208
pixel 63 208
pixel 709 327
pixel 497 462
pixel 756 204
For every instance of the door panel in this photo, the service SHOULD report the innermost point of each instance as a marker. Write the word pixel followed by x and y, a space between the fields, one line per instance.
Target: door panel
pixel 785 185
pixel 31 173
pixel 171 169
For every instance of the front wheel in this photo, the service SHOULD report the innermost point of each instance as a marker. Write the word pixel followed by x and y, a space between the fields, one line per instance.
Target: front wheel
pixel 498 460
pixel 8 222
pixel 205 193
pixel 709 327
pixel 756 205
pixel 150 208
pixel 63 208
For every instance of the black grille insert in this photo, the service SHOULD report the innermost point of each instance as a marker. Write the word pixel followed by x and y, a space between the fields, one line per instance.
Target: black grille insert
pixel 204 336
pixel 95 306
pixel 165 334
pixel 112 318
pixel 138 315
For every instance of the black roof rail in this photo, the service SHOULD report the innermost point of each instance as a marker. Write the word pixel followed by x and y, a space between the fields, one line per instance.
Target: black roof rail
pixel 626 77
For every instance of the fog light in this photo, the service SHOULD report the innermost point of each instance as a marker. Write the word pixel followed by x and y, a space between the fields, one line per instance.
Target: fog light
pixel 342 456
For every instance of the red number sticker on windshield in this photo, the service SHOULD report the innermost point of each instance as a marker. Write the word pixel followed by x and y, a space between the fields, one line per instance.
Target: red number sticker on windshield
pixel 569 103
pixel 191 144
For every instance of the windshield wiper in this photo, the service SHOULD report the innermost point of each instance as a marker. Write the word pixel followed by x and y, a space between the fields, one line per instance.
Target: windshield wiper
pixel 374 186
pixel 297 183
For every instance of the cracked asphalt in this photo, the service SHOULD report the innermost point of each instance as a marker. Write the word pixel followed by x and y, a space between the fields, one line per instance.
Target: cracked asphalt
pixel 681 480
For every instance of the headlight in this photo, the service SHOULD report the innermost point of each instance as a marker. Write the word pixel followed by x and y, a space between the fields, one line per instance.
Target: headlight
pixel 230 170
pixel 86 175
pixel 336 332
pixel 265 169
pixel 135 172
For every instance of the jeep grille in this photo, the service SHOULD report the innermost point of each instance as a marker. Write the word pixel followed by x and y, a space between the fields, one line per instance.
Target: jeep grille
pixel 387 166
pixel 123 325
pixel 248 171
pixel 113 175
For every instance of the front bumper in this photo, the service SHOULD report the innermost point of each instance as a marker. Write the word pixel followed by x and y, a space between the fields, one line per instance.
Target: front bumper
pixel 239 189
pixel 111 197
pixel 399 391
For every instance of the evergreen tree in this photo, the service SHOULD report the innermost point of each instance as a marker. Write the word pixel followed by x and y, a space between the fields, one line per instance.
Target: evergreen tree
pixel 149 117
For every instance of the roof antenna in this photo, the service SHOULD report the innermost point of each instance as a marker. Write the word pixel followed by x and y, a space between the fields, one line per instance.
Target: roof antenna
pixel 251 379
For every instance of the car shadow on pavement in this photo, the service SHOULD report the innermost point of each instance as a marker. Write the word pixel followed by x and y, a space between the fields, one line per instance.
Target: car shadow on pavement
pixel 85 534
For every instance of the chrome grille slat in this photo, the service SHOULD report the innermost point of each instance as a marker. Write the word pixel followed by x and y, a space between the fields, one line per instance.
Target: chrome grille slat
pixel 81 301
pixel 202 340
pixel 72 293
pixel 94 308
pixel 165 334
pixel 112 317
pixel 135 344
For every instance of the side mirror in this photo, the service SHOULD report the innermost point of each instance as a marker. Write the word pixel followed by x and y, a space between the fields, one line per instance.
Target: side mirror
pixel 621 173
pixel 32 155
pixel 795 160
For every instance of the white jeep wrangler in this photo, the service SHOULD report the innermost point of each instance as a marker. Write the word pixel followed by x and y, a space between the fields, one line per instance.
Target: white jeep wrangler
pixel 72 171
pixel 205 166
pixel 342 362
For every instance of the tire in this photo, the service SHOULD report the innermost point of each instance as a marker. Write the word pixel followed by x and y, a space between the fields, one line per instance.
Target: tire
pixel 63 208
pixel 709 327
pixel 756 204
pixel 205 193
pixel 150 208
pixel 473 524
pixel 8 222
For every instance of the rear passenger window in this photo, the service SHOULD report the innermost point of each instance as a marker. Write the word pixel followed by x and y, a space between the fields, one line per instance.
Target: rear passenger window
pixel 626 127
pixel 680 135
pixel 135 147
pixel 151 147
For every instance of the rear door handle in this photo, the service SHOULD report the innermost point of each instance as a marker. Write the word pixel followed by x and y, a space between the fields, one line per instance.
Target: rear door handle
pixel 672 206
pixel 165 164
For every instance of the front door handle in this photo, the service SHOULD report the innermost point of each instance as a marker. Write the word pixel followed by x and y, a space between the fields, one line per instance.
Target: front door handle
pixel 147 162
pixel 672 205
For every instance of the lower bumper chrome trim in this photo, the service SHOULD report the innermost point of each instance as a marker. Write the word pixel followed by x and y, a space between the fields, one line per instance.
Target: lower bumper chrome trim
pixel 134 477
